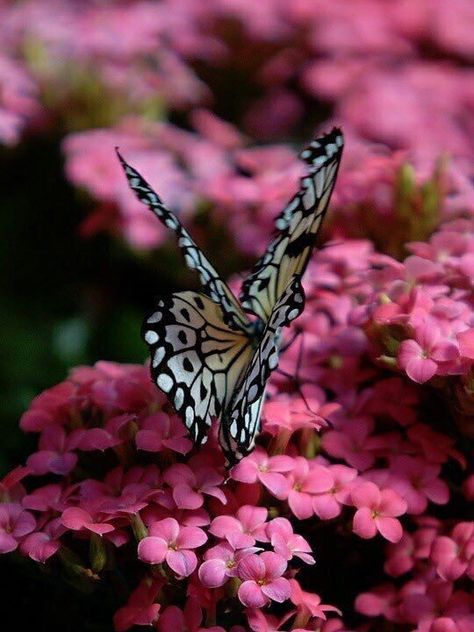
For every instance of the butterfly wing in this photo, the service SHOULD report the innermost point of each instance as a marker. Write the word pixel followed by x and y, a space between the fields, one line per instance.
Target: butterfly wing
pixel 196 359
pixel 240 422
pixel 213 285
pixel 298 225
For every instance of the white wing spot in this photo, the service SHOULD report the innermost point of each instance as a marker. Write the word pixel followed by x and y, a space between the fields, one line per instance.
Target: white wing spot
pixel 179 398
pixel 165 382
pixel 151 337
pixel 155 318
pixel 158 357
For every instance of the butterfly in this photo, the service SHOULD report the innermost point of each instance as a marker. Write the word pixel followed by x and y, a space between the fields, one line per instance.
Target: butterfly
pixel 210 358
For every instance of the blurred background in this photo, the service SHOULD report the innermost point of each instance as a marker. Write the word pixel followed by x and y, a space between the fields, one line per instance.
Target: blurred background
pixel 211 101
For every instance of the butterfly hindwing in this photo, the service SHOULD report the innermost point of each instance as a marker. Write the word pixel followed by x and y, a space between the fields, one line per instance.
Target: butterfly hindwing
pixel 240 421
pixel 297 227
pixel 213 285
pixel 196 359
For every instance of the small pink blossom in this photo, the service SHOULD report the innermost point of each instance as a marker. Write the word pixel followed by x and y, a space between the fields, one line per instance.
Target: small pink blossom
pixel 262 580
pixel 140 608
pixel 258 466
pixel 42 545
pixel 15 524
pixel 189 487
pixel 328 504
pixel 189 619
pixel 168 541
pixel 352 443
pixel 417 482
pixel 305 481
pixel 221 563
pixel 161 431
pixel 88 517
pixel 287 543
pixel 309 603
pixel 454 555
pixel 377 511
pixel 56 452
pixel 420 356
pixel 245 529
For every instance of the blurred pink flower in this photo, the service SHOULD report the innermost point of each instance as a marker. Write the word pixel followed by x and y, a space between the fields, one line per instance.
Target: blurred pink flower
pixel 140 608
pixel 15 524
pixel 189 487
pixel 417 482
pixel 309 602
pixel 454 555
pixel 88 517
pixel 161 431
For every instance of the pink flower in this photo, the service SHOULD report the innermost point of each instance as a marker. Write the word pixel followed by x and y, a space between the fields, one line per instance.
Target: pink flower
pixel 454 556
pixel 383 601
pixel 305 481
pixel 161 431
pixel 328 504
pixel 245 529
pixel 189 487
pixel 168 541
pixel 88 517
pixel 417 482
pixel 15 524
pixel 189 619
pixel 140 608
pixel 352 443
pixel 11 488
pixel 41 545
pixel 377 511
pixel 258 466
pixel 400 557
pixel 420 357
pixel 426 603
pixel 286 543
pixel 221 564
pixel 262 580
pixel 55 454
pixel 309 603
pixel 49 497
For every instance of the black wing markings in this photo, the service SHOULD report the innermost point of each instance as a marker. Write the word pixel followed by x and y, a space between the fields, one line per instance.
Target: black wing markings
pixel 297 228
pixel 196 359
pixel 213 285
pixel 240 422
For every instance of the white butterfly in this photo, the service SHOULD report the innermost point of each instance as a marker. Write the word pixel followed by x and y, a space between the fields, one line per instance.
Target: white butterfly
pixel 206 354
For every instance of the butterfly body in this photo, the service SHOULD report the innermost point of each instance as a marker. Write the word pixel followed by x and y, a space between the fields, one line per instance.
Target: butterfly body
pixel 207 355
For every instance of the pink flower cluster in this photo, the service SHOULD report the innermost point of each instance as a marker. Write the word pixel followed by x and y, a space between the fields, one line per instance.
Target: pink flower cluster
pixel 420 313
pixel 395 75
pixel 367 432
pixel 156 504
pixel 344 442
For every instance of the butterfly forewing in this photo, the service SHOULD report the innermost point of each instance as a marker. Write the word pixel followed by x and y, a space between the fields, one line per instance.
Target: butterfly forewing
pixel 213 285
pixel 196 359
pixel 240 422
pixel 297 226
